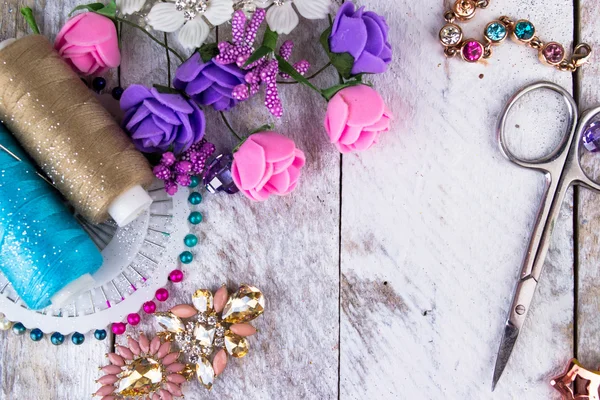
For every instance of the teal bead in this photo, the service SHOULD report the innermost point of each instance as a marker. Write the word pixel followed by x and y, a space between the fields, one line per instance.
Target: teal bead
pixel 36 335
pixel 57 338
pixel 100 334
pixel 190 240
pixel 524 30
pixel 18 328
pixel 186 257
pixel 496 31
pixel 195 198
pixel 195 218
pixel 194 182
pixel 77 338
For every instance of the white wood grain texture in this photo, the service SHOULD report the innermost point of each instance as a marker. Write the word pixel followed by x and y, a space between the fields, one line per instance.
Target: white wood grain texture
pixel 588 341
pixel 435 223
pixel 42 371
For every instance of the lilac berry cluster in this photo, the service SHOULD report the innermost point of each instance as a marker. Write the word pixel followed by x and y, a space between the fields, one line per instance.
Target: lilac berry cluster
pixel 175 170
pixel 262 71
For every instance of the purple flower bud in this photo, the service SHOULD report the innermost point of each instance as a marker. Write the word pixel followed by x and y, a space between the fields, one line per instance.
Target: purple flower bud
pixel 162 172
pixel 168 159
pixel 184 180
pixel 170 188
pixel 183 167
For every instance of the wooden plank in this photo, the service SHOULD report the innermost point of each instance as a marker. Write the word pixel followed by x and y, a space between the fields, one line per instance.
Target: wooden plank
pixel 435 223
pixel 41 370
pixel 588 341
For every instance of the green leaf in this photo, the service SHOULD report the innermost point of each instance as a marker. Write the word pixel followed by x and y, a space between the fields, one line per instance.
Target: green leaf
pixel 208 51
pixel 343 62
pixel 109 10
pixel 89 7
pixel 258 54
pixel 289 69
pixel 270 39
pixel 166 89
pixel 28 14
pixel 330 92
pixel 264 128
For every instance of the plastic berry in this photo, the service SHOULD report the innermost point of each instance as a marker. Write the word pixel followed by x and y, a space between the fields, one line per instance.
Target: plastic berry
pixel 133 319
pixel 195 218
pixel 118 328
pixel 186 257
pixel 99 84
pixel 36 335
pixel 57 338
pixel 190 240
pixel 77 338
pixel 195 198
pixel 117 93
pixel 100 334
pixel 162 294
pixel 176 276
pixel 149 307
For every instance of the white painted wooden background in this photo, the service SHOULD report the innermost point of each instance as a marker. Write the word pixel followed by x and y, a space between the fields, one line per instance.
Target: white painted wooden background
pixel 388 274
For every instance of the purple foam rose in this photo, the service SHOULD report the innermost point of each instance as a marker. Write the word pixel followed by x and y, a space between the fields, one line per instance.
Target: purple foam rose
pixel 158 122
pixel 365 36
pixel 209 83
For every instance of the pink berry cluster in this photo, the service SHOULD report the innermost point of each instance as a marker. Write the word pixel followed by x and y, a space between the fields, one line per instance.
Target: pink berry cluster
pixel 177 172
pixel 262 71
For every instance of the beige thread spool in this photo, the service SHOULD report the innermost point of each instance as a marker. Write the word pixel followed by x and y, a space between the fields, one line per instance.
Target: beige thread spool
pixel 57 119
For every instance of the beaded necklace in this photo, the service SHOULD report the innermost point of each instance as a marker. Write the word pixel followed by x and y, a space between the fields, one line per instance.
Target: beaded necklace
pixel 522 31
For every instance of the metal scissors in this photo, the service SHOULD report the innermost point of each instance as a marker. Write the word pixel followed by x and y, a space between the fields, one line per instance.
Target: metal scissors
pixel 562 169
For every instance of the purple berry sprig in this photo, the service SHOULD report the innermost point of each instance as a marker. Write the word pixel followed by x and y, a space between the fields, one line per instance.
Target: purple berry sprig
pixel 177 172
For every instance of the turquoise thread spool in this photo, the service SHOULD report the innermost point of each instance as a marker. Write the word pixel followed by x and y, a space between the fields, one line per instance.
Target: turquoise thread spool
pixel 44 253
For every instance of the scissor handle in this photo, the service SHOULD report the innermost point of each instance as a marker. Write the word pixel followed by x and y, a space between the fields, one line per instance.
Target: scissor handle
pixel 542 163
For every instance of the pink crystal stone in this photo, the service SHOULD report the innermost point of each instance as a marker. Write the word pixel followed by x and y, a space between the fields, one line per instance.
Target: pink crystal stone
pixel 133 319
pixel 118 328
pixel 149 307
pixel 554 53
pixel 472 51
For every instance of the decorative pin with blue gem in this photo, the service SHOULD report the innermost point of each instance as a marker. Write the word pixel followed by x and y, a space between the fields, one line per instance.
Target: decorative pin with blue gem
pixel 522 31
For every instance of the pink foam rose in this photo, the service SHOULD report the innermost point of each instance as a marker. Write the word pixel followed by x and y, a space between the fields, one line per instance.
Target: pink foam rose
pixel 89 43
pixel 356 117
pixel 267 163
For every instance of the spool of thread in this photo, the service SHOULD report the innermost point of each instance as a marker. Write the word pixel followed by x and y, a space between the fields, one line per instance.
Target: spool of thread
pixel 59 122
pixel 44 252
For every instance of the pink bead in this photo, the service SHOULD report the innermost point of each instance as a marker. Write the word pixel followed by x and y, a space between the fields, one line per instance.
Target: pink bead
pixel 162 294
pixel 176 276
pixel 133 319
pixel 149 307
pixel 472 51
pixel 118 328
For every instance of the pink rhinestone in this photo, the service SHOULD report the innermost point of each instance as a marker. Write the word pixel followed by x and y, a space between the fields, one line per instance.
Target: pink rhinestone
pixel 472 51
pixel 554 53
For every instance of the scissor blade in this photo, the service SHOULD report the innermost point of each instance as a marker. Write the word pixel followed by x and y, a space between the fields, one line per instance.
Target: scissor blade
pixel 509 338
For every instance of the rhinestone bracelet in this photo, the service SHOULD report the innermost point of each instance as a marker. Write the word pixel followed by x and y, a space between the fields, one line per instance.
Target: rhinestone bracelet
pixel 522 31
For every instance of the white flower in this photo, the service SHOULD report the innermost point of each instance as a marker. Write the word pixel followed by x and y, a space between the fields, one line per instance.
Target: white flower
pixel 190 15
pixel 130 6
pixel 282 18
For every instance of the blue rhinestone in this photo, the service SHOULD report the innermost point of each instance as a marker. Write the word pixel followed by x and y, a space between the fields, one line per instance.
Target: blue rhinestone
pixel 36 335
pixel 57 338
pixel 77 338
pixel 524 30
pixel 496 31
pixel 18 328
pixel 195 198
pixel 100 334
pixel 195 182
